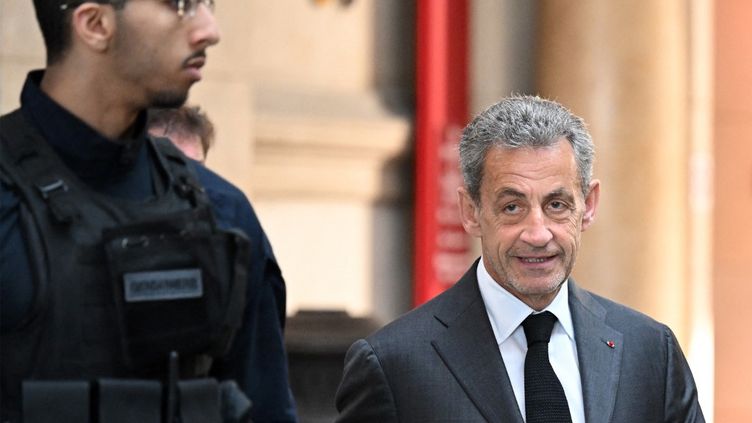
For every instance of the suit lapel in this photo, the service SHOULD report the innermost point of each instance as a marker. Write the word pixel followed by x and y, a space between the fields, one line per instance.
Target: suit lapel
pixel 469 350
pixel 599 350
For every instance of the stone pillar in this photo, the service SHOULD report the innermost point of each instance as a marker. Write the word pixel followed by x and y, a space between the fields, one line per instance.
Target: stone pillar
pixel 502 34
pixel 332 135
pixel 623 66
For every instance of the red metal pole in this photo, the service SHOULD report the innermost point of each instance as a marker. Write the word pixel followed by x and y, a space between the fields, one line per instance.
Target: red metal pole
pixel 440 244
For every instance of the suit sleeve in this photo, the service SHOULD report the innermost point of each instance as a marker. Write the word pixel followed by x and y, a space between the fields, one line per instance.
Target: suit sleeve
pixel 364 394
pixel 681 403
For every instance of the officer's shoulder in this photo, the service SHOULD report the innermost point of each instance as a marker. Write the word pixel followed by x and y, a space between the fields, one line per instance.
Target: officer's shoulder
pixel 213 183
pixel 229 202
pixel 222 193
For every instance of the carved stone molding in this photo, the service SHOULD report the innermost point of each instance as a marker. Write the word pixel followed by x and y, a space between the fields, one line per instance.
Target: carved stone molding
pixel 324 145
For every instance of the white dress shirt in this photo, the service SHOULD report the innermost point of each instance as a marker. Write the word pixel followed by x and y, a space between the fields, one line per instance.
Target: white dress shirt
pixel 506 314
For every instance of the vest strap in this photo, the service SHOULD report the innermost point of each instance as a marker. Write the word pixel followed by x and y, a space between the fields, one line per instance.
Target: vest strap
pixel 32 157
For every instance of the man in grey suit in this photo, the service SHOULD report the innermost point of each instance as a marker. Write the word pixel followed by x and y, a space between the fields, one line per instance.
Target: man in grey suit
pixel 463 356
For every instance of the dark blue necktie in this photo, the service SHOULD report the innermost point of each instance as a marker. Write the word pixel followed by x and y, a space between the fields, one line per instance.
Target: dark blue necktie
pixel 545 401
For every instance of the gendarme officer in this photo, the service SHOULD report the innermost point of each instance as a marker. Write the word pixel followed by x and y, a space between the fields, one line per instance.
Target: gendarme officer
pixel 134 282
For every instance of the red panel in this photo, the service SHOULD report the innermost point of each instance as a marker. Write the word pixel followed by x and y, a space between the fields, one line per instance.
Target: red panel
pixel 441 246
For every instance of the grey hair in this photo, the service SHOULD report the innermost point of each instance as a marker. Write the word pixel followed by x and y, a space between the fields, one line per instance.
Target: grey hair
pixel 518 122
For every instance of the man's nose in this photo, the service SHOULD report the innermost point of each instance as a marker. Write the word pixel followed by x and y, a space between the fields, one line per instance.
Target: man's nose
pixel 205 28
pixel 536 232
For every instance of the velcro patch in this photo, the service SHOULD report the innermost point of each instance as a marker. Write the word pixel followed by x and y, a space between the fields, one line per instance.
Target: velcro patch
pixel 163 285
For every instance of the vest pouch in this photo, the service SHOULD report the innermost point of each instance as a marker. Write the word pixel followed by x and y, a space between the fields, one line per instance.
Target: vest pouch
pixel 55 401
pixel 179 285
pixel 129 400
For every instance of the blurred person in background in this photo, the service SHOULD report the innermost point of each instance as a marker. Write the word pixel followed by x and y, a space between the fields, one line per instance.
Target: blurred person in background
pixel 187 127
pixel 131 279
pixel 516 339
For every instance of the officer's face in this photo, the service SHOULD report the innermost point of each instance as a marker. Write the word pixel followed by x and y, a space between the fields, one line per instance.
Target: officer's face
pixel 530 218
pixel 158 54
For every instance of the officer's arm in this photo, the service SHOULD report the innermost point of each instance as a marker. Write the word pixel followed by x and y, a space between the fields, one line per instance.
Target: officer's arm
pixel 268 374
pixel 258 359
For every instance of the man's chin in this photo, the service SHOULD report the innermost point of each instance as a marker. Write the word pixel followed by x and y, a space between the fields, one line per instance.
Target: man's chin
pixel 169 100
pixel 536 287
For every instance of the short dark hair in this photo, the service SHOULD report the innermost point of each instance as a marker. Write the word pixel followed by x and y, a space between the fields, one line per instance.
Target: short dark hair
pixel 54 21
pixel 185 119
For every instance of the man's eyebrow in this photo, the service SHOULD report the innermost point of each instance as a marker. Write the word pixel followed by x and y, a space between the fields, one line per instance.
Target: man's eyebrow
pixel 509 192
pixel 560 193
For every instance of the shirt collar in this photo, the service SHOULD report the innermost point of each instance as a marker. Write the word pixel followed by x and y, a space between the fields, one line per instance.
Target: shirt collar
pixel 507 312
pixel 90 154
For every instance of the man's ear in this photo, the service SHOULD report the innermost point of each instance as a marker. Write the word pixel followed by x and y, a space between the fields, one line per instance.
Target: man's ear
pixel 469 212
pixel 94 25
pixel 591 203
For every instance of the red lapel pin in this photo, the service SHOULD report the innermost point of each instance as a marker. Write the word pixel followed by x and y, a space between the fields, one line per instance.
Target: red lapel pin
pixel 611 344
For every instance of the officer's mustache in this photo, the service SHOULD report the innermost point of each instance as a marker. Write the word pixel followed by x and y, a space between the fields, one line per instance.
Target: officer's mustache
pixel 196 59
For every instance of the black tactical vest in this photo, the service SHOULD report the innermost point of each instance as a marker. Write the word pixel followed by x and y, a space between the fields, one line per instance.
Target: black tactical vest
pixel 119 284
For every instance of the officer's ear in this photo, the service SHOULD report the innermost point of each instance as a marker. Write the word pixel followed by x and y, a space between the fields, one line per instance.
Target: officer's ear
pixel 469 212
pixel 93 25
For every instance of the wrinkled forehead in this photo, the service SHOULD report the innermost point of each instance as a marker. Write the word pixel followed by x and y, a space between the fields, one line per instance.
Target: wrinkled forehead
pixel 554 164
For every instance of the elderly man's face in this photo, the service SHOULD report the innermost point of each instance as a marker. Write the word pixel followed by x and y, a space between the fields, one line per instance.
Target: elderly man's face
pixel 530 218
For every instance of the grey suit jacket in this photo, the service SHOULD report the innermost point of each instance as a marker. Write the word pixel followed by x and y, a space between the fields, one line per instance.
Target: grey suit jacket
pixel 440 363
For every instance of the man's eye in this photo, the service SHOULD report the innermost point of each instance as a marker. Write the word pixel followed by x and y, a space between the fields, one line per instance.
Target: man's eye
pixel 558 206
pixel 511 208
